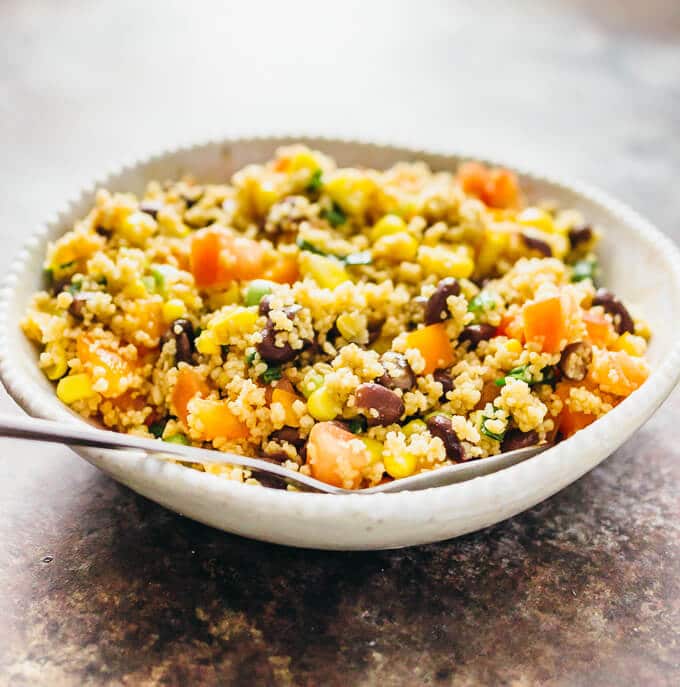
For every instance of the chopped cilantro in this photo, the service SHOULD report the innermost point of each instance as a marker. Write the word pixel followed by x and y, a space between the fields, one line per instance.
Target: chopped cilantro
pixel 49 275
pixel 488 432
pixel 250 357
pixel 335 215
pixel 548 376
pixel 156 428
pixel 315 181
pixel 310 247
pixel 585 269
pixel 74 287
pixel 357 425
pixel 272 373
pixel 483 301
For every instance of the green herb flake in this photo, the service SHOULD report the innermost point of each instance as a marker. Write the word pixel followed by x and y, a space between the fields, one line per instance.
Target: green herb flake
pixel 74 287
pixel 67 265
pixel 178 439
pixel 309 247
pixel 250 357
pixel 483 301
pixel 488 432
pixel 49 275
pixel 357 425
pixel 103 281
pixel 585 269
pixel 156 428
pixel 315 181
pixel 521 373
pixel 335 215
pixel 271 374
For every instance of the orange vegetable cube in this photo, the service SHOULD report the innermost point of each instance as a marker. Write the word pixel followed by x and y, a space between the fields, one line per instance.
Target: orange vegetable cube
pixel 434 345
pixel 571 421
pixel 215 420
pixel 284 270
pixel 189 384
pixel 545 324
pixel 600 330
pixel 617 372
pixel 94 353
pixel 336 456
pixel 287 399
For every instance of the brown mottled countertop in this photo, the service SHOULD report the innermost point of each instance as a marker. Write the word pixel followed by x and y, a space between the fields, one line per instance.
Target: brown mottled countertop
pixel 100 586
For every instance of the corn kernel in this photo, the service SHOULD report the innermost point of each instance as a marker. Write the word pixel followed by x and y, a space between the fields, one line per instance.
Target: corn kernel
pixel 495 242
pixel 398 247
pixel 631 344
pixel 535 217
pixel 265 194
pixel 414 427
pixel 350 189
pixel 352 326
pixel 237 321
pixel 514 346
pixel 304 159
pixel 137 227
pixel 388 224
pixel 173 309
pixel 74 388
pixel 326 272
pixel 312 381
pixel 400 465
pixel 375 449
pixel 206 343
pixel 446 262
pixel 322 405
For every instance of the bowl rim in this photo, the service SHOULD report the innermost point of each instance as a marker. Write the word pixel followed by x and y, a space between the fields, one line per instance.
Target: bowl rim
pixel 637 408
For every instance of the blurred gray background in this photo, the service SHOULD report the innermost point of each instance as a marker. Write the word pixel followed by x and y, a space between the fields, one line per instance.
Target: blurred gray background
pixel 99 586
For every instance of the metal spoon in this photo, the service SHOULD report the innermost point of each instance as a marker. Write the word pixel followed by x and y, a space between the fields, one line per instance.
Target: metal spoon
pixel 75 435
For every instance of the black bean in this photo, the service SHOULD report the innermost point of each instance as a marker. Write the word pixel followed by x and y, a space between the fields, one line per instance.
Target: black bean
pixel 182 331
pixel 474 334
pixel 103 231
pixel 373 397
pixel 151 207
pixel 265 306
pixel 440 426
pixel 580 234
pixel 290 435
pixel 267 348
pixel 77 305
pixel 192 196
pixel 539 245
pixel 436 309
pixel 398 373
pixel 515 439
pixel 445 379
pixel 575 360
pixel 269 351
pixel 374 331
pixel 623 322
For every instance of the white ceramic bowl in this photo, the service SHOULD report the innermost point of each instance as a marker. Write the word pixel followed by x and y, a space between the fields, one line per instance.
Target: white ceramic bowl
pixel 640 264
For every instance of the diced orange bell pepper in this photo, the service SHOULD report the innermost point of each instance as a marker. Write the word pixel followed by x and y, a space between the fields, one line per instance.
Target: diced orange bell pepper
pixel 570 421
pixel 600 330
pixel 497 187
pixel 617 372
pixel 512 327
pixel 189 384
pixel 434 345
pixel 95 353
pixel 336 456
pixel 283 270
pixel 545 324
pixel 217 421
pixel 287 399
pixel 218 257
pixel 128 401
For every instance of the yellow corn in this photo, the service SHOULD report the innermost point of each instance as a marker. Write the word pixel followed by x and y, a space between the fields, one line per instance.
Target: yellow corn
pixel 495 242
pixel 375 449
pixel 446 262
pixel 514 346
pixel 535 217
pixel 312 381
pixel 326 272
pixel 137 227
pixel 59 366
pixel 74 388
pixel 236 321
pixel 304 159
pixel 397 247
pixel 322 405
pixel 265 194
pixel 400 465
pixel 350 189
pixel 414 427
pixel 173 310
pixel 206 343
pixel 631 344
pixel 389 224
pixel 351 325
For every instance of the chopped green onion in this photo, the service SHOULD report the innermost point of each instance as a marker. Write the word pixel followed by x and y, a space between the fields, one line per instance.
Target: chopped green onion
pixel 315 181
pixel 357 425
pixel 335 215
pixel 149 283
pixel 250 357
pixel 224 349
pixel 257 290
pixel 488 432
pixel 67 265
pixel 156 428
pixel 49 275
pixel 483 301
pixel 74 287
pixel 103 281
pixel 178 439
pixel 272 373
pixel 310 247
pixel 585 269
pixel 521 373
